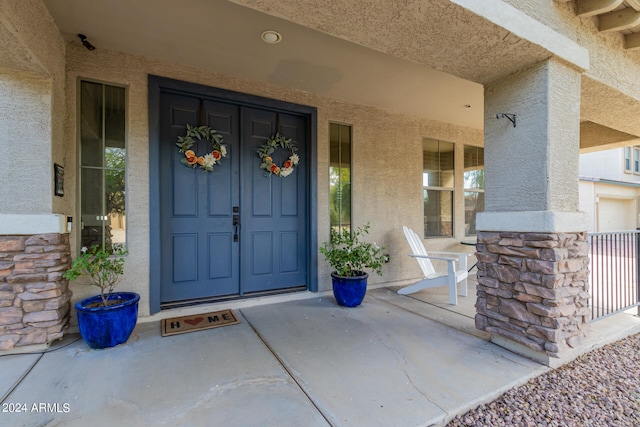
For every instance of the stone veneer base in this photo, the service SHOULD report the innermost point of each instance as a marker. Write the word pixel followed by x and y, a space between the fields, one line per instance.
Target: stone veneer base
pixel 26 349
pixel 34 297
pixel 533 293
pixel 538 356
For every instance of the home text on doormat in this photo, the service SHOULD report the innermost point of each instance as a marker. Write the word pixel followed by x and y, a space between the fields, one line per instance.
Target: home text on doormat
pixel 197 322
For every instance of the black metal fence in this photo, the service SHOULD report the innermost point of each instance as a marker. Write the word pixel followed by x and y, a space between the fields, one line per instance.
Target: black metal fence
pixel 615 274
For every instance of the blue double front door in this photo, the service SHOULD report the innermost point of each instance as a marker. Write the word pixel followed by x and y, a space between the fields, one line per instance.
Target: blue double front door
pixel 237 230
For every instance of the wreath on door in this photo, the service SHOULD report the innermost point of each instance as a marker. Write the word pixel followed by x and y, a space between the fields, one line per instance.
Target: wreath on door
pixel 266 150
pixel 206 161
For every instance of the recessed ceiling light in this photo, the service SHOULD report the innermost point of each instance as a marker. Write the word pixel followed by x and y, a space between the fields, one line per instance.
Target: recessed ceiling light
pixel 271 37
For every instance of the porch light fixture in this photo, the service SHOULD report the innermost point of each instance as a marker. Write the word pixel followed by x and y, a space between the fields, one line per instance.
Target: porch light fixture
pixel 85 42
pixel 510 116
pixel 271 37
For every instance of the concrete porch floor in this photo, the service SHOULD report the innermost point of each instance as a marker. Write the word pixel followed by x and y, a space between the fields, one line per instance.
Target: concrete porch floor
pixel 394 361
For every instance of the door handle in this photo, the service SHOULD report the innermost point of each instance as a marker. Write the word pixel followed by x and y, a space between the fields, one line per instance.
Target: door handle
pixel 236 224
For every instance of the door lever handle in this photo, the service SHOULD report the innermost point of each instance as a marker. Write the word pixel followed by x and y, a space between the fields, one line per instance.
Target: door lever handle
pixel 236 224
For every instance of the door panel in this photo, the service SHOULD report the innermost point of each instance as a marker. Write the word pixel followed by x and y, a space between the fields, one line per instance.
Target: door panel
pixel 185 249
pixel 220 252
pixel 222 183
pixel 198 259
pixel 185 195
pixel 261 252
pixel 274 208
pixel 289 243
pixel 200 256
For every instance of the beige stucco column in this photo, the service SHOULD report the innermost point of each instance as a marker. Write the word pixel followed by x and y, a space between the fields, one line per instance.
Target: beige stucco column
pixel 532 248
pixel 34 241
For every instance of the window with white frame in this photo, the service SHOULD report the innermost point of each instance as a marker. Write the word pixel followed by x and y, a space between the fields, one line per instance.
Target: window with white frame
pixel 438 186
pixel 102 164
pixel 473 187
pixel 636 160
pixel 627 159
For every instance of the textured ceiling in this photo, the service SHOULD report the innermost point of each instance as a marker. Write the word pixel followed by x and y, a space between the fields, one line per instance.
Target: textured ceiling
pixel 424 58
pixel 434 33
pixel 225 37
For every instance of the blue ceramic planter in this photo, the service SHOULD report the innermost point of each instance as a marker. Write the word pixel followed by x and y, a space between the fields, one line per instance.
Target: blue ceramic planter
pixel 349 291
pixel 104 327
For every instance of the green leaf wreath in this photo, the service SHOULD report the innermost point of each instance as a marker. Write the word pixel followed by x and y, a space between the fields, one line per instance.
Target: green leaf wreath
pixel 207 161
pixel 267 149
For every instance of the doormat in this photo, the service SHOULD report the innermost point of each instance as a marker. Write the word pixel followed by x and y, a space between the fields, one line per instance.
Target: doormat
pixel 197 322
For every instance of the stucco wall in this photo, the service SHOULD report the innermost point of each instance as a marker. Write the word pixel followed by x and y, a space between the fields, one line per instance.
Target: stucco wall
pixel 608 164
pixel 594 195
pixel 533 166
pixel 387 168
pixel 610 85
pixel 610 62
pixel 32 107
pixel 587 203
pixel 25 152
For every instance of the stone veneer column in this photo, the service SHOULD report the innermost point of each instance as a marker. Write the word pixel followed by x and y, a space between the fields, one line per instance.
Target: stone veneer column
pixel 533 290
pixel 34 298
pixel 532 247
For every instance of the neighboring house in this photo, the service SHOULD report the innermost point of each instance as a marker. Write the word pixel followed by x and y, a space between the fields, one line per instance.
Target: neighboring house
pixel 402 113
pixel 610 189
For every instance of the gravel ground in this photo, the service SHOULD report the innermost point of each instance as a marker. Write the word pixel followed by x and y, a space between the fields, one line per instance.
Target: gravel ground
pixel 600 388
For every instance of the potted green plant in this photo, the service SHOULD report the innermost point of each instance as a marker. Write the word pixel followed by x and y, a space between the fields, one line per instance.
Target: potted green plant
pixel 349 256
pixel 107 319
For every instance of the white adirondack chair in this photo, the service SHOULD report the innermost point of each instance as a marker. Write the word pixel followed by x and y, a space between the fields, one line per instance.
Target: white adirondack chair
pixel 455 274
